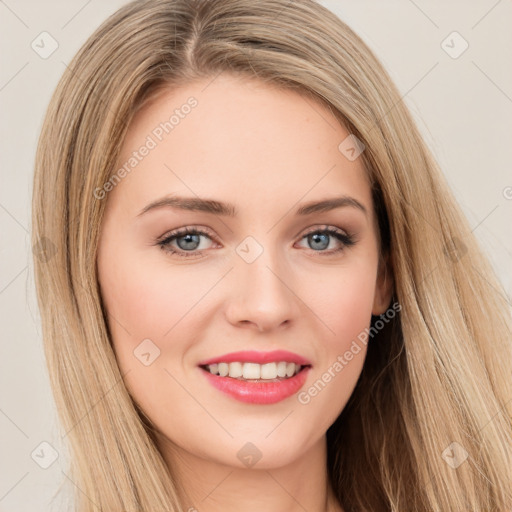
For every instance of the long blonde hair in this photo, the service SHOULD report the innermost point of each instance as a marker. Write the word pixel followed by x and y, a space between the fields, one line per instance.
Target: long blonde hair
pixel 440 373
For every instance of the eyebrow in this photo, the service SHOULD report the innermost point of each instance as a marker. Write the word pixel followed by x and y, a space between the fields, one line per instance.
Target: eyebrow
pixel 229 210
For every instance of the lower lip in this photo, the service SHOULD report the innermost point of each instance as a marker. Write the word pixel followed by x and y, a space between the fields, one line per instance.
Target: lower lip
pixel 258 392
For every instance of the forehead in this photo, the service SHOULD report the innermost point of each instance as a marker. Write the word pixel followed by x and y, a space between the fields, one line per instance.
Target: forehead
pixel 239 140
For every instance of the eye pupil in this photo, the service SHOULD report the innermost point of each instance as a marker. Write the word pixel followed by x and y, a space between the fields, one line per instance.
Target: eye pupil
pixel 189 238
pixel 321 239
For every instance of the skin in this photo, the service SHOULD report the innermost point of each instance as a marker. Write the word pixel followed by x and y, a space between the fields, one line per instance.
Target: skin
pixel 267 151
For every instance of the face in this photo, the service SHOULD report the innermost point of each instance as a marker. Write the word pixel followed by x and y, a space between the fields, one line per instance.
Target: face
pixel 212 252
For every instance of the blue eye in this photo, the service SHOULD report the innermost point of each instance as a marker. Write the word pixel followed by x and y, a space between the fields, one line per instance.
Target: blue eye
pixel 187 242
pixel 190 241
pixel 320 239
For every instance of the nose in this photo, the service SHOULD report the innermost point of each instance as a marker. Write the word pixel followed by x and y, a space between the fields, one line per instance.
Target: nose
pixel 261 294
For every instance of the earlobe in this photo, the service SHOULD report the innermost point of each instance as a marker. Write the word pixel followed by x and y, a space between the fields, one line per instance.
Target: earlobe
pixel 384 286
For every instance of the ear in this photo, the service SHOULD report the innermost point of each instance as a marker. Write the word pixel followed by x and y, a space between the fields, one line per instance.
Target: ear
pixel 384 286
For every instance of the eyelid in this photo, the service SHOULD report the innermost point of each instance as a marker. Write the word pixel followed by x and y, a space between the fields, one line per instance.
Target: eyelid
pixel 186 230
pixel 324 227
pixel 206 231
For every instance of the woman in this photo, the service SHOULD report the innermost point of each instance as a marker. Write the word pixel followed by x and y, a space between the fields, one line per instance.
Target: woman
pixel 263 295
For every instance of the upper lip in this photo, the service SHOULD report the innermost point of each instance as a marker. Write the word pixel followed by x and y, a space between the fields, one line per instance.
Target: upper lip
pixel 254 356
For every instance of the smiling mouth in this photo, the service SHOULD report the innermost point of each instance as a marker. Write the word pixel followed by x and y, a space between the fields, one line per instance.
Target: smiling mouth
pixel 268 372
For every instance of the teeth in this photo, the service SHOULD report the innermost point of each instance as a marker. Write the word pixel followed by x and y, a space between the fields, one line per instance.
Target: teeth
pixel 269 370
pixel 223 369
pixel 281 369
pixel 254 371
pixel 235 370
pixel 251 371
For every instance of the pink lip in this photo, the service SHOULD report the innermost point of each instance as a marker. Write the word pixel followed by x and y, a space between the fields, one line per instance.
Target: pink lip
pixel 258 392
pixel 253 356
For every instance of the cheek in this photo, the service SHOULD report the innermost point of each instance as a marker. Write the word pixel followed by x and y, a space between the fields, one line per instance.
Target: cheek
pixel 147 300
pixel 343 301
pixel 151 309
pixel 351 307
pixel 342 298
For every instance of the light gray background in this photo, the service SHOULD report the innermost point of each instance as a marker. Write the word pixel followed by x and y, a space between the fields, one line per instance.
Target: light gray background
pixel 463 107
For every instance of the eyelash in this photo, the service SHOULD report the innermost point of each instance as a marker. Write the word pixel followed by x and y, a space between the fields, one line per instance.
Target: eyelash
pixel 164 243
